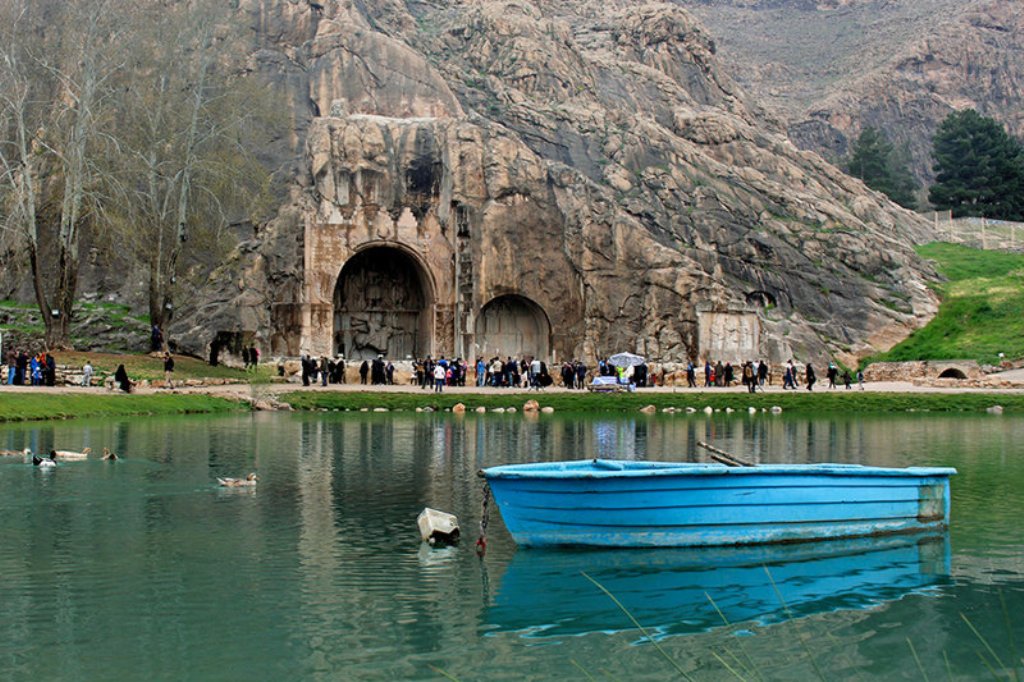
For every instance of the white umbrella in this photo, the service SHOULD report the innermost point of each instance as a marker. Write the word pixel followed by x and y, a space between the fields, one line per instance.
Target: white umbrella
pixel 626 360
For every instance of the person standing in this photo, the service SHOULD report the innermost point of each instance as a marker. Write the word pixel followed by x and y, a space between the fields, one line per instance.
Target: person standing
pixel 762 373
pixel 691 375
pixel 439 377
pixel 860 378
pixel 12 366
pixel 50 373
pixel 364 370
pixel 87 373
pixel 810 376
pixel 168 371
pixel 831 373
pixel 20 373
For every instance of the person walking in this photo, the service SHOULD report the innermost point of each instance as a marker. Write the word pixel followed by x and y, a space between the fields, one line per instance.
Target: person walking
pixel 87 373
pixel 364 370
pixel 810 376
pixel 860 378
pixel 749 378
pixel 168 371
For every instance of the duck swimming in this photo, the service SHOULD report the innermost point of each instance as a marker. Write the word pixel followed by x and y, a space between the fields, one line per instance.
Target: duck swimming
pixel 41 462
pixel 70 454
pixel 15 453
pixel 109 456
pixel 249 480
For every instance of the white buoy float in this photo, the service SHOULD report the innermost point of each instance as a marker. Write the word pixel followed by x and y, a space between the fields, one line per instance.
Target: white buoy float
pixel 438 527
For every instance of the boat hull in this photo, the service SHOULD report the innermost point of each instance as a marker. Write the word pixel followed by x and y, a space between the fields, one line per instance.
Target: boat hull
pixel 609 503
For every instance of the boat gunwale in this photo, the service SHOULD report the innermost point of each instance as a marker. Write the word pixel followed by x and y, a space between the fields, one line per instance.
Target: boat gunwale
pixel 606 468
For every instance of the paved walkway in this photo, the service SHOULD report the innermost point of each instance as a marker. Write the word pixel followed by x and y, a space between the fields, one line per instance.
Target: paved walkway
pixel 245 391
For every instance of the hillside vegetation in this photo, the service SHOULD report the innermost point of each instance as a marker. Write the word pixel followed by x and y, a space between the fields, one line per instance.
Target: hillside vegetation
pixel 982 311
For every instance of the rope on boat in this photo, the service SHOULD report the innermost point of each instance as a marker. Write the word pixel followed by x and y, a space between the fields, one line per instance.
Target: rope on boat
pixel 485 517
pixel 724 457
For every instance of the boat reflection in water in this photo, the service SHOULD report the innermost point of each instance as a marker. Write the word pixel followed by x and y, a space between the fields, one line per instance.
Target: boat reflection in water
pixel 545 594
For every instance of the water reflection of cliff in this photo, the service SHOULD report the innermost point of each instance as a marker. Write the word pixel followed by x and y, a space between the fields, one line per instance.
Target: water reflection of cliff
pixel 544 593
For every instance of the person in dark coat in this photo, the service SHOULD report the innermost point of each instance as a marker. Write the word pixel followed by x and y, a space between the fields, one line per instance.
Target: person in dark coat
pixel 51 369
pixel 581 375
pixel 364 370
pixel 122 380
pixel 811 378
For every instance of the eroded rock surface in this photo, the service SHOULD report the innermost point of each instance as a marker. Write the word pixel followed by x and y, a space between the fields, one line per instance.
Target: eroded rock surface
pixel 589 159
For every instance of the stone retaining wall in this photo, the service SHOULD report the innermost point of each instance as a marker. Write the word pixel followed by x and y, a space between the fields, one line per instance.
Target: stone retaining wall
pixel 924 370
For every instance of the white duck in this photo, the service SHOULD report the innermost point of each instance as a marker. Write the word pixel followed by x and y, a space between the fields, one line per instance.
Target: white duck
pixel 70 454
pixel 249 480
pixel 15 453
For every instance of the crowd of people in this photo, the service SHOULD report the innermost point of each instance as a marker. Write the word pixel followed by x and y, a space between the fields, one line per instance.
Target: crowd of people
pixel 24 369
pixel 756 375
pixel 527 372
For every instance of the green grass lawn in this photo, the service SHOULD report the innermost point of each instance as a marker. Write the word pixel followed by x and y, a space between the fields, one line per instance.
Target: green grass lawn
pixel 819 402
pixel 42 405
pixel 982 310
pixel 141 366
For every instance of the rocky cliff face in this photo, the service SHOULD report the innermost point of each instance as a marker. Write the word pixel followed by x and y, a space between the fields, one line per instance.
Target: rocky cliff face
pixel 590 157
pixel 829 69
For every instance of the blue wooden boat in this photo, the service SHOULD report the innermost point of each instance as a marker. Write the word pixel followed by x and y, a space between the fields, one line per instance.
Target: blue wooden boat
pixel 614 503
pixel 684 590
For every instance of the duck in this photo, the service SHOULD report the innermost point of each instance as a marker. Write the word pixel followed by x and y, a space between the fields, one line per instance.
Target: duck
pixel 70 454
pixel 109 456
pixel 15 453
pixel 249 480
pixel 41 462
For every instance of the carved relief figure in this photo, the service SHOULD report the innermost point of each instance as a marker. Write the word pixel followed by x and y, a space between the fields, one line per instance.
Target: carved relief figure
pixel 378 306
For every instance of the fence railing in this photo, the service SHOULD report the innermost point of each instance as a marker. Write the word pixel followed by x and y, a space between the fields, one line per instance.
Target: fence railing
pixel 981 233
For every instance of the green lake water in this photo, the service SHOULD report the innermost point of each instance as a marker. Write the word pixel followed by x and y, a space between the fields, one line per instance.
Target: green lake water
pixel 144 569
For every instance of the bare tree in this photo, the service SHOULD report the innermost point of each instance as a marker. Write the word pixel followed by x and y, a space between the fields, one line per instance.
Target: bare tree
pixel 54 109
pixel 186 133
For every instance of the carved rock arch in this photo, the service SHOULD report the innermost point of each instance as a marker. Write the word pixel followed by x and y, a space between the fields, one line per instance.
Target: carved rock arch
pixel 512 325
pixel 383 304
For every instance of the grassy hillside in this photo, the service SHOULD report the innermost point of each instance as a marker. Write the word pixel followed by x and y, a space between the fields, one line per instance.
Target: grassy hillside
pixel 982 311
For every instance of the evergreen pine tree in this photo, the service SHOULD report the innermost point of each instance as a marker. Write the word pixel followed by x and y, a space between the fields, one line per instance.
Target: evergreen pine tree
pixel 979 168
pixel 874 161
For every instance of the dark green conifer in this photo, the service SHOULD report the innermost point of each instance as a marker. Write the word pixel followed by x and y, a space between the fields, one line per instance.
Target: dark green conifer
pixel 874 160
pixel 979 168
